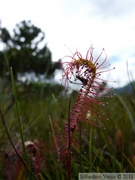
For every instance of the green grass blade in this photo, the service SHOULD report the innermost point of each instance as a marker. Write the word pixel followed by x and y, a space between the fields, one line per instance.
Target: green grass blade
pixel 18 116
pixel 58 110
pixel 128 160
pixel 128 111
pixel 19 123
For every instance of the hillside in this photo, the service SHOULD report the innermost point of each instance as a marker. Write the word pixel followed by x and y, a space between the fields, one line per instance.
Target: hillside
pixel 129 88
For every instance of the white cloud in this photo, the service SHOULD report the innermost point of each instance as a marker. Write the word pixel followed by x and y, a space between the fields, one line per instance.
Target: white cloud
pixel 112 8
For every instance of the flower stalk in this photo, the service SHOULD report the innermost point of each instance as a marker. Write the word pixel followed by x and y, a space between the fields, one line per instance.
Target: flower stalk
pixel 85 71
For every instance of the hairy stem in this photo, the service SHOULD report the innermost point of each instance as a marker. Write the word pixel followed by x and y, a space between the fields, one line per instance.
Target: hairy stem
pixel 69 144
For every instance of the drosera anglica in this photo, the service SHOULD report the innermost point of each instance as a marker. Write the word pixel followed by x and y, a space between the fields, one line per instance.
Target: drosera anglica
pixel 93 89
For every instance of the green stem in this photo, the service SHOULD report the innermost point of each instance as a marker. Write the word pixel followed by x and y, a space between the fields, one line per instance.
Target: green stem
pixel 18 116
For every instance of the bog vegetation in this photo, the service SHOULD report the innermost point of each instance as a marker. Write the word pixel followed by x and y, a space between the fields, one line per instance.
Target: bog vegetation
pixel 32 118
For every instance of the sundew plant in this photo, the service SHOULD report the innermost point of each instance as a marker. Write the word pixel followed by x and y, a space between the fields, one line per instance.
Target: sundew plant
pixel 63 146
pixel 86 71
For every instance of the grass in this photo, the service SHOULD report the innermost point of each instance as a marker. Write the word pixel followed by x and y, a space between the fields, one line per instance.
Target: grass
pixel 36 116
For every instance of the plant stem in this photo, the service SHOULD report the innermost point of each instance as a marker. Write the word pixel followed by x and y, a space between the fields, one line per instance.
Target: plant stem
pixel 18 117
pixel 80 140
pixel 69 144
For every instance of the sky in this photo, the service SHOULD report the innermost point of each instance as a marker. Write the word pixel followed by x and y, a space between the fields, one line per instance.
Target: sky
pixel 76 24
